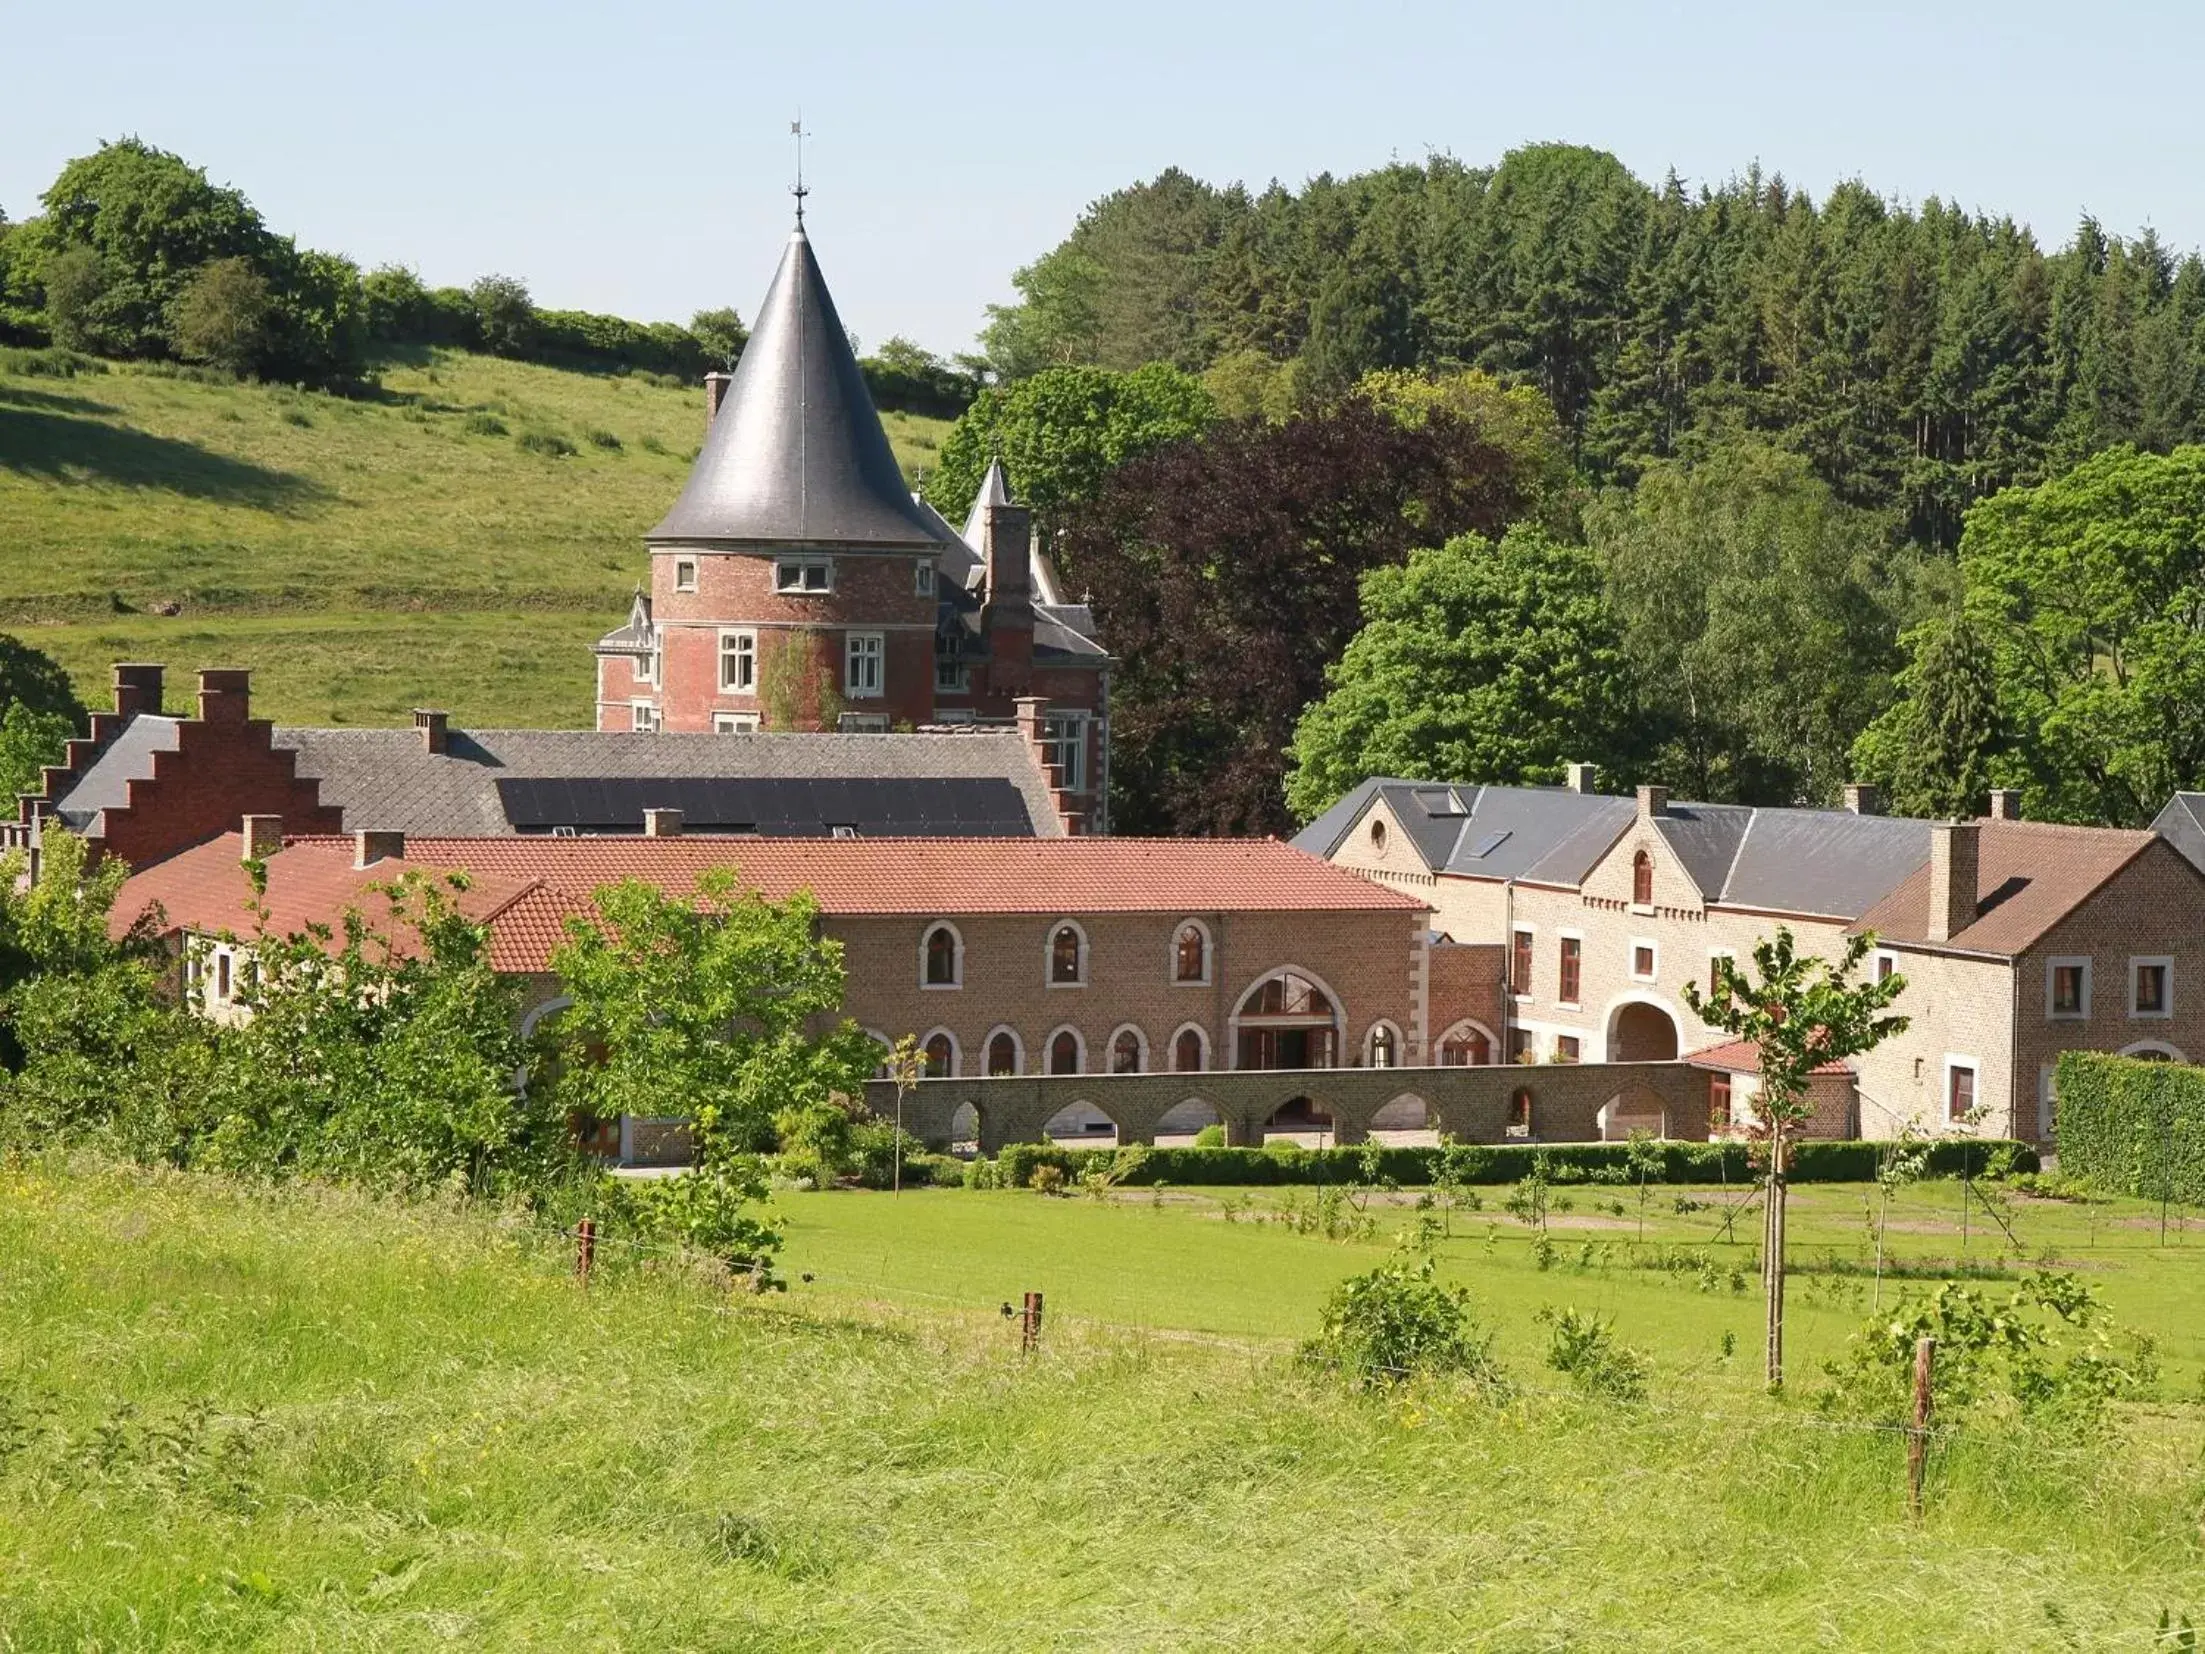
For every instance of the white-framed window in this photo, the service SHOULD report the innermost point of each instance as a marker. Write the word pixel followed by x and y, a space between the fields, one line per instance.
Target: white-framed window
pixel 1645 959
pixel 1382 1046
pixel 2151 986
pixel 685 574
pixel 2067 989
pixel 739 661
pixel 861 665
pixel 1887 965
pixel 1065 963
pixel 863 723
pixel 1064 744
pixel 942 956
pixel 1961 1090
pixel 804 575
pixel 954 715
pixel 734 723
pixel 643 717
pixel 922 578
pixel 646 665
pixel 1128 1053
pixel 1190 954
pixel 952 674
pixel 223 986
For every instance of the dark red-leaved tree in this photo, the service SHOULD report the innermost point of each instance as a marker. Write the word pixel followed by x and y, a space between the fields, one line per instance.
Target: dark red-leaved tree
pixel 1223 572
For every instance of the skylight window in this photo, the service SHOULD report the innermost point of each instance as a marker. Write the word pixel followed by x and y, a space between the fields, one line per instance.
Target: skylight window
pixel 1488 844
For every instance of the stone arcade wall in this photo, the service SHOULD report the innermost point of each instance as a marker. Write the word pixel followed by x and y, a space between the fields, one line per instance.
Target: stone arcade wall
pixel 1471 1104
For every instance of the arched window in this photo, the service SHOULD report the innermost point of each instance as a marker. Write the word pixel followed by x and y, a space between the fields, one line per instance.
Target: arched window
pixel 1190 954
pixel 944 958
pixel 1465 1045
pixel 1189 1052
pixel 1126 1055
pixel 1064 1052
pixel 1002 1053
pixel 1384 1047
pixel 941 1055
pixel 1642 879
pixel 1288 1020
pixel 1067 956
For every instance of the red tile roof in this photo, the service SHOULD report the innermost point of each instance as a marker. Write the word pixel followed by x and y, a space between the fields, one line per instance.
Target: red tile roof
pixel 2029 876
pixel 526 888
pixel 1743 1056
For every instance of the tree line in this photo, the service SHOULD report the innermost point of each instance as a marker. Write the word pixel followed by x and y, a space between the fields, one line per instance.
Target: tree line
pixel 138 254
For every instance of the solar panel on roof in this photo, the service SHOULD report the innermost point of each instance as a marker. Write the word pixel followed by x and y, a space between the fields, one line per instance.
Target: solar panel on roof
pixel 773 806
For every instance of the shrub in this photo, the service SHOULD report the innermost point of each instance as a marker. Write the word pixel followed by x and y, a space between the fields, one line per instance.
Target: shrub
pixel 2136 1128
pixel 605 440
pixel 1395 1321
pixel 483 424
pixel 548 443
pixel 221 316
pixel 1210 1137
pixel 49 364
pixel 1046 1180
pixel 712 1210
pixel 1584 1346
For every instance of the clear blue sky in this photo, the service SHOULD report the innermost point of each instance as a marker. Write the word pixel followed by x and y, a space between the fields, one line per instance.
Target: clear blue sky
pixel 635 158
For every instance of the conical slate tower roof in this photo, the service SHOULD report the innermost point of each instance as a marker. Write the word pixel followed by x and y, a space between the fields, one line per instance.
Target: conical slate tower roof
pixel 797 455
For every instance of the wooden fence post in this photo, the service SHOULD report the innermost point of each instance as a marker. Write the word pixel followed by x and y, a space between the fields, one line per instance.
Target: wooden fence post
pixel 1917 1437
pixel 585 1249
pixel 1029 1328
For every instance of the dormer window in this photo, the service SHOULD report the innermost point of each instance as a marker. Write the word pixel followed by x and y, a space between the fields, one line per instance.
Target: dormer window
pixel 804 575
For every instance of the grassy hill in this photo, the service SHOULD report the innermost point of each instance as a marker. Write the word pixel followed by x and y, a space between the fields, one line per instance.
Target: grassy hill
pixel 247 1418
pixel 457 539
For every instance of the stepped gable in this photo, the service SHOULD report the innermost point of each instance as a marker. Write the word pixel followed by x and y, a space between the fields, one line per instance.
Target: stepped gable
pixel 796 455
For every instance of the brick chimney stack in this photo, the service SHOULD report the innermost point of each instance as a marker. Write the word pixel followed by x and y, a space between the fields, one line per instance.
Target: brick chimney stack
pixel 433 726
pixel 662 822
pixel 1653 801
pixel 1007 615
pixel 1952 875
pixel 225 695
pixel 1584 778
pixel 1864 798
pixel 715 392
pixel 263 837
pixel 2005 803
pixel 371 845
pixel 137 688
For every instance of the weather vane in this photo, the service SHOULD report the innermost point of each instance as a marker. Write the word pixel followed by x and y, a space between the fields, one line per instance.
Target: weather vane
pixel 796 130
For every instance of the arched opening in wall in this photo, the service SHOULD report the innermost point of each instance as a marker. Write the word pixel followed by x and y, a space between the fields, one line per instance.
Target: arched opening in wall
pixel 1002 1054
pixel 1642 880
pixel 1190 953
pixel 1066 1052
pixel 2152 1050
pixel 1639 1032
pixel 1080 1122
pixel 1465 1045
pixel 1519 1120
pixel 1302 1119
pixel 964 1129
pixel 1287 1020
pixel 1128 1051
pixel 1190 1051
pixel 1637 1109
pixel 1183 1121
pixel 943 957
pixel 1407 1120
pixel 1382 1046
pixel 940 1051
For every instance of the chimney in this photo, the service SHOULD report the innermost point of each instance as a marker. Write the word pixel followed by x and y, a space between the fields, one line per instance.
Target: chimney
pixel 715 392
pixel 1007 615
pixel 137 688
pixel 433 726
pixel 1863 798
pixel 225 695
pixel 662 822
pixel 1952 863
pixel 371 845
pixel 263 836
pixel 2005 803
pixel 1653 801
pixel 1584 778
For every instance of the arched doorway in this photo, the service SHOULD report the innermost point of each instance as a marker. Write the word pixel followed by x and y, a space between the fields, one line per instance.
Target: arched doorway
pixel 1287 1020
pixel 1080 1122
pixel 1303 1119
pixel 1636 1110
pixel 1466 1045
pixel 1640 1032
pixel 1186 1119
pixel 964 1129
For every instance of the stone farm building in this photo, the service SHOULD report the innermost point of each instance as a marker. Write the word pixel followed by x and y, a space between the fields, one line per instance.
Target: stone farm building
pixel 2018 940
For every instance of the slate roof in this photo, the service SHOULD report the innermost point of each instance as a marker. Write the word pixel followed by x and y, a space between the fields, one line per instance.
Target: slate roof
pixel 797 455
pixel 2029 876
pixel 1828 862
pixel 106 781
pixel 1065 633
pixel 2182 824
pixel 1552 835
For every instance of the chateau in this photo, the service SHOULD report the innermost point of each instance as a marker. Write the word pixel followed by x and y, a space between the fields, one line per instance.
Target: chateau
pixel 797 583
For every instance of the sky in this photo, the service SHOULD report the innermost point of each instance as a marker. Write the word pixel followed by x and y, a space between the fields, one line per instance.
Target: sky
pixel 636 159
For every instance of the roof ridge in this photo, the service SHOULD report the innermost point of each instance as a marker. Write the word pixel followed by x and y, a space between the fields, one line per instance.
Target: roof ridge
pixel 1753 817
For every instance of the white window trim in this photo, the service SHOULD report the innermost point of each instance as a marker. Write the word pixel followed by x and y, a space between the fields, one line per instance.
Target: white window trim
pixel 732 654
pixel 1018 1049
pixel 2052 968
pixel 1880 958
pixel 1974 1066
pixel 1651 946
pixel 684 583
pixel 1202 1035
pixel 854 650
pixel 956 1053
pixel 1110 1051
pixel 643 716
pixel 1049 1049
pixel 2163 1015
pixel 1400 1043
pixel 646 666
pixel 1074 773
pixel 782 589
pixel 922 578
pixel 959 681
pixel 1209 956
pixel 1049 950
pixel 735 723
pixel 957 957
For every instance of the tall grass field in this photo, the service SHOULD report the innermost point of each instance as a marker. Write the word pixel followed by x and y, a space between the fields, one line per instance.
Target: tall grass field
pixel 241 1418
pixel 459 537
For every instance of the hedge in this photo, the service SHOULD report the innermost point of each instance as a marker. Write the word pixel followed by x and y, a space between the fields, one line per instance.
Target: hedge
pixel 1814 1162
pixel 2135 1128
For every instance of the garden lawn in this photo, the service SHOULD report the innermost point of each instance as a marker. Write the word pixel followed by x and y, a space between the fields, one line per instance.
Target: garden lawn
pixel 241 1419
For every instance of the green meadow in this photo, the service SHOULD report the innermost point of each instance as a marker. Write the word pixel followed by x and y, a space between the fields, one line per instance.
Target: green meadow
pixel 242 1418
pixel 459 536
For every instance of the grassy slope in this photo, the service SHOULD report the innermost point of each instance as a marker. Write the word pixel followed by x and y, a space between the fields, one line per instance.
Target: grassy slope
pixel 440 1442
pixel 363 557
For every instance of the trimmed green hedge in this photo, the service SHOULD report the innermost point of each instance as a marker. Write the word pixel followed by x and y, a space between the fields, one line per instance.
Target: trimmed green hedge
pixel 1815 1162
pixel 2133 1128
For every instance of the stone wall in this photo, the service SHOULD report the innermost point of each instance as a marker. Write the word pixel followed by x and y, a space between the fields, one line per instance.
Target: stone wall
pixel 1471 1104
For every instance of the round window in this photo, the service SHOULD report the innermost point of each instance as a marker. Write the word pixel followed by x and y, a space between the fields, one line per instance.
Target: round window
pixel 1378 835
